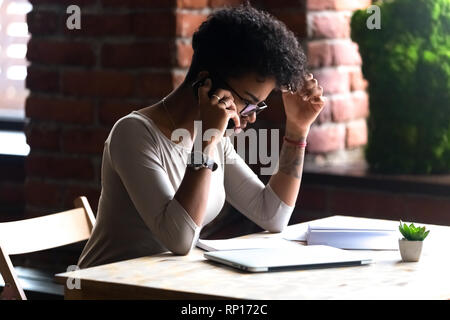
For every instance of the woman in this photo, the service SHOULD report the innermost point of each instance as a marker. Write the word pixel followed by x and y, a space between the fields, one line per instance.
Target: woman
pixel 157 194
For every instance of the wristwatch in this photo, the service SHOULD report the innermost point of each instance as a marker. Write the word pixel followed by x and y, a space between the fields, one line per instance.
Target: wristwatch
pixel 198 160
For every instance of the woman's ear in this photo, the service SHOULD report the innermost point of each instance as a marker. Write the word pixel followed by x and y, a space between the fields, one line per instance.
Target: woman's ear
pixel 202 75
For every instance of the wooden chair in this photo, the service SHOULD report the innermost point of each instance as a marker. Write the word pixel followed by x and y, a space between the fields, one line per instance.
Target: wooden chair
pixel 36 234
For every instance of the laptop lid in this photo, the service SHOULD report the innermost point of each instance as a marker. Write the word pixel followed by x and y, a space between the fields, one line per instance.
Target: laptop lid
pixel 273 259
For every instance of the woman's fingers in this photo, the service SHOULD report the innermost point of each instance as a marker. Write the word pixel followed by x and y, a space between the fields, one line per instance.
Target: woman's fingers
pixel 231 109
pixel 222 94
pixel 232 114
pixel 318 100
pixel 311 89
pixel 216 96
pixel 316 91
pixel 311 84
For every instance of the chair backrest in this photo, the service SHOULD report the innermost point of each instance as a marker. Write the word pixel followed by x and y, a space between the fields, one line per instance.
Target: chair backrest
pixel 36 234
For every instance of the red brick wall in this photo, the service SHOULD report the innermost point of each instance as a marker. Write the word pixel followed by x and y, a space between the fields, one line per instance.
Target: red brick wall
pixel 340 131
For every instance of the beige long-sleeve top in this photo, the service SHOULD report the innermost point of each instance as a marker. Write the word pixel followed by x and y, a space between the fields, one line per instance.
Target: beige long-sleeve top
pixel 137 213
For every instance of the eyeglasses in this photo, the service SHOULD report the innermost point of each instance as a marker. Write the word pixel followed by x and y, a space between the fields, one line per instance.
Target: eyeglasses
pixel 249 108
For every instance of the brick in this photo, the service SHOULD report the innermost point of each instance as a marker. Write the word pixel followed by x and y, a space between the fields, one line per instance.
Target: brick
pixel 42 79
pixel 63 2
pixel 356 135
pixel 360 101
pixel 346 53
pixel 329 25
pixel 295 20
pixel 350 106
pixel 188 23
pixel 42 193
pixel 43 22
pixel 60 110
pixel 133 55
pixel 139 3
pixel 154 84
pixel 97 83
pixel 333 80
pixel 324 53
pixel 111 111
pixel 59 167
pixel 270 4
pixel 320 54
pixel 222 3
pixel 357 81
pixel 84 140
pixel 154 24
pixel 192 4
pixel 326 138
pixel 60 52
pixel 325 114
pixel 337 4
pixel 184 54
pixel 44 137
pixel 102 25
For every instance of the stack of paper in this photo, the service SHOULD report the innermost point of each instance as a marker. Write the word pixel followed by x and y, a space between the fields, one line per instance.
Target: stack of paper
pixel 353 237
pixel 237 244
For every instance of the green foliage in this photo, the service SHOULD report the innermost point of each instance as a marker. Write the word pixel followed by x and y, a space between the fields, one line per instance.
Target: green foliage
pixel 413 233
pixel 407 64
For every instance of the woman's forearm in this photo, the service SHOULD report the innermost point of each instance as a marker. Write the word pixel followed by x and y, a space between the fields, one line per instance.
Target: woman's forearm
pixel 193 191
pixel 286 182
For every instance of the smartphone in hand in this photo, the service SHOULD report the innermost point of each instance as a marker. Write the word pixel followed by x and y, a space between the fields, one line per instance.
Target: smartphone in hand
pixel 214 87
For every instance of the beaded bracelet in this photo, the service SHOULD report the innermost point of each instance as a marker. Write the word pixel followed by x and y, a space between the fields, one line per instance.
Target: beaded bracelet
pixel 300 144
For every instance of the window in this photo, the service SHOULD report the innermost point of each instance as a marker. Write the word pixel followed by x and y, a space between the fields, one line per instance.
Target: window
pixel 13 65
pixel 13 71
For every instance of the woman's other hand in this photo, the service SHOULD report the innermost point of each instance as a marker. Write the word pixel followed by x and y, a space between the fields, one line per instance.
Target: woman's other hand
pixel 303 107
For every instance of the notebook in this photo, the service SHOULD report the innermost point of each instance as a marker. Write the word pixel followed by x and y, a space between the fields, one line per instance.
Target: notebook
pixel 276 259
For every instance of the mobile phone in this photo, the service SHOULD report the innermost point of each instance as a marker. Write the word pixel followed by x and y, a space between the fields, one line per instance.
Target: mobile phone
pixel 197 84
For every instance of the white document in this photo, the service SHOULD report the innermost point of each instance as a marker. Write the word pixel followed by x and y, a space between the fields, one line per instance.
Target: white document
pixel 353 237
pixel 237 244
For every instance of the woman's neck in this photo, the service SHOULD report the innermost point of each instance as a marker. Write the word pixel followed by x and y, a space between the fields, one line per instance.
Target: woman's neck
pixel 182 107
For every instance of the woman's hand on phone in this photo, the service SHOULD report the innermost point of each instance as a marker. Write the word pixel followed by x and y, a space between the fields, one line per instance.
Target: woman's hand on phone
pixel 215 113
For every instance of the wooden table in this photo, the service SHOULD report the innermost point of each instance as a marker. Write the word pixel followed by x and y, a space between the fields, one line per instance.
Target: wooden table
pixel 166 276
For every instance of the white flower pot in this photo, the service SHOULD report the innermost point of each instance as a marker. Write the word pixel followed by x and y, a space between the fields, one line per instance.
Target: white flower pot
pixel 410 250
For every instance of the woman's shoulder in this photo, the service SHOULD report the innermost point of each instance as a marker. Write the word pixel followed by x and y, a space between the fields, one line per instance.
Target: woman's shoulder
pixel 133 127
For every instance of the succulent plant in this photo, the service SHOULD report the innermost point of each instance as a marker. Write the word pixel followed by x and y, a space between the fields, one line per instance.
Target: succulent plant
pixel 413 233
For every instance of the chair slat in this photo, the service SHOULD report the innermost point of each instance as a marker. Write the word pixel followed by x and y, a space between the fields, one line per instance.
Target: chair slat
pixel 51 231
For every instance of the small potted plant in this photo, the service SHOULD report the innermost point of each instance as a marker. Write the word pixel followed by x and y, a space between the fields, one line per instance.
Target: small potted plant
pixel 411 244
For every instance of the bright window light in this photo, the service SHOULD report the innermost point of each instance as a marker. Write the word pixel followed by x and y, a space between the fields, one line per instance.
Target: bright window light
pixel 18 8
pixel 14 143
pixel 17 73
pixel 17 51
pixel 17 29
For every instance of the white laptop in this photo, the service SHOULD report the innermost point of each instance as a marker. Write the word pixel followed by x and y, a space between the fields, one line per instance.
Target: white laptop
pixel 280 259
